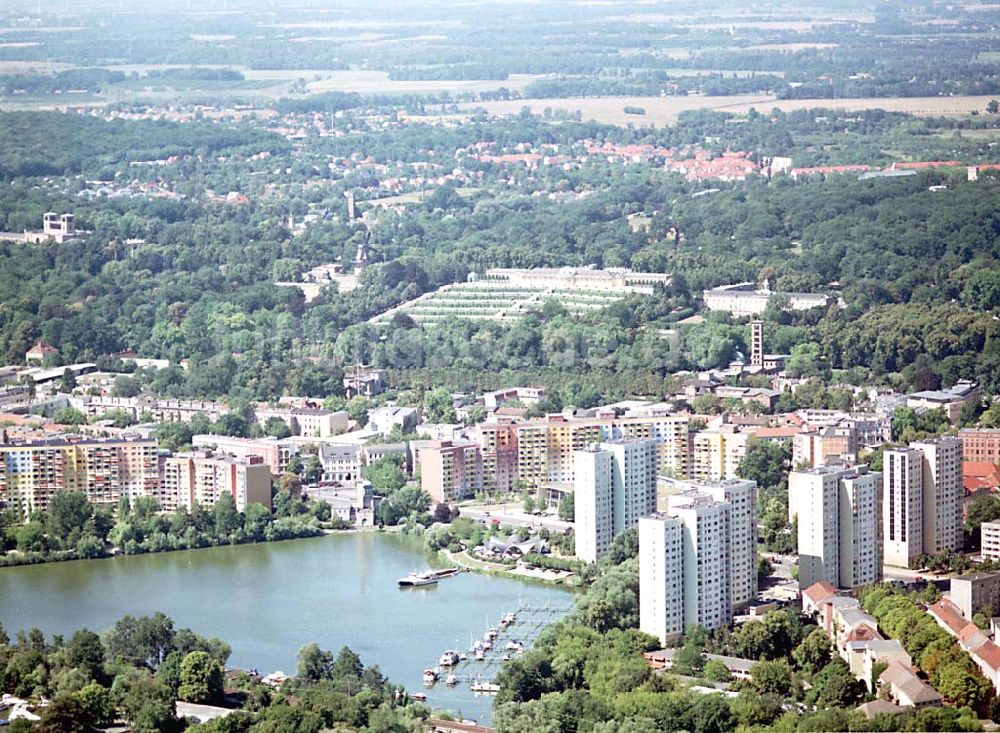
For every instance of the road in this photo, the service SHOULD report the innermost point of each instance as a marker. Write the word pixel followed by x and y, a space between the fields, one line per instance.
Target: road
pixel 512 515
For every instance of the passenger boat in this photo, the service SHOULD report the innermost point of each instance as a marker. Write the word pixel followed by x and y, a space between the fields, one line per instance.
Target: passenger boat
pixel 416 579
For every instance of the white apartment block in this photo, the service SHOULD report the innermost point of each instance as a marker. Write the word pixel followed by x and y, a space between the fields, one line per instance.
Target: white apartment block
pixel 661 576
pixel 623 470
pixel 990 532
pixel 593 502
pixel 902 506
pixel 838 522
pixel 922 503
pixel 707 573
pixel 634 480
pixel 741 495
pixel 943 493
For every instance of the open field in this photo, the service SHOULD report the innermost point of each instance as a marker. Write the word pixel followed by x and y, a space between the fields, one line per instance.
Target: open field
pixel 665 110
pixel 378 82
pixel 660 111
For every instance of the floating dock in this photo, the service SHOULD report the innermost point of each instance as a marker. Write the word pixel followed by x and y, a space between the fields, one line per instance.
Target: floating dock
pixel 528 622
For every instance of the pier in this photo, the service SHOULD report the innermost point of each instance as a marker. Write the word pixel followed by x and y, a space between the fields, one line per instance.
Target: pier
pixel 528 621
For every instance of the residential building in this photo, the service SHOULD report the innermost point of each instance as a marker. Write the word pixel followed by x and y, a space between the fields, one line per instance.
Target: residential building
pixel 622 470
pixel 384 419
pixel 923 494
pixel 943 490
pixel 593 502
pixel 31 474
pixel 973 640
pixel 902 507
pixel 342 462
pixel 305 421
pixel 980 445
pixel 545 448
pixel 906 689
pixel 395 451
pixel 156 409
pixel 716 454
pixel 661 576
pixel 976 592
pixel 741 496
pixel 525 395
pixel 707 573
pixel 201 477
pixel 990 535
pixel 41 351
pixel 497 441
pixel 822 446
pixel 450 472
pixel 275 453
pixel 697 561
pixel 838 525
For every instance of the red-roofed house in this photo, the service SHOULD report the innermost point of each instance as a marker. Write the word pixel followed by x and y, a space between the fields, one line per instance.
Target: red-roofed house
pixel 979 478
pixel 971 638
pixel 37 353
pixel 948 616
pixel 814 595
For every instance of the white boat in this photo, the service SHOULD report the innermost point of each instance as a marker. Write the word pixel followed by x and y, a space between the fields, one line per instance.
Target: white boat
pixel 480 654
pixel 505 658
pixel 448 658
pixel 430 676
pixel 451 680
pixel 487 645
pixel 514 646
pixel 463 656
pixel 415 579
pixel 486 687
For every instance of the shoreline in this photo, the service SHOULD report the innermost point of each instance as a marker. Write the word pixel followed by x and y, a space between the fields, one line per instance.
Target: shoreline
pixel 114 555
pixel 569 582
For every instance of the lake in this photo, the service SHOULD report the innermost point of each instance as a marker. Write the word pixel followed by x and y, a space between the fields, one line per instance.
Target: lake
pixel 268 600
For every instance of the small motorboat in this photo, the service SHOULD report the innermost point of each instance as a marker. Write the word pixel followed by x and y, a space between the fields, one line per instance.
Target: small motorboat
pixel 430 676
pixel 505 658
pixel 487 688
pixel 451 680
pixel 448 659
pixel 480 655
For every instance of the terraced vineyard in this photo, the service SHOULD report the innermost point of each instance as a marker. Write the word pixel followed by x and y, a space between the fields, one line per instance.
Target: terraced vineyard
pixel 492 300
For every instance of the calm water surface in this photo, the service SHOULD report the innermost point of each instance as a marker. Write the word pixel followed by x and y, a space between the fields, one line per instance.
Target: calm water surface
pixel 268 600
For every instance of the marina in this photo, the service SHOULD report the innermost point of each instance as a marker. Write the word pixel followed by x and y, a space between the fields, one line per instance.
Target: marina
pixel 514 633
pixel 269 600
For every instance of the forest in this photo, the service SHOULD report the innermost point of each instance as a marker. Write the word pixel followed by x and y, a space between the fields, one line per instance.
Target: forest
pixel 135 671
pixel 914 267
